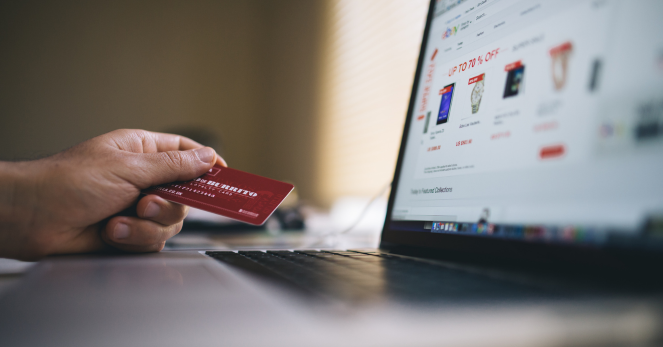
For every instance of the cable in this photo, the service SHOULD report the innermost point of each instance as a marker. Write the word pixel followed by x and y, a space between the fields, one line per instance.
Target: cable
pixel 363 212
pixel 357 221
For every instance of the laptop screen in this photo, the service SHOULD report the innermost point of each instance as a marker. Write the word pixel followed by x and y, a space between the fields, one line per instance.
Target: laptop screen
pixel 539 121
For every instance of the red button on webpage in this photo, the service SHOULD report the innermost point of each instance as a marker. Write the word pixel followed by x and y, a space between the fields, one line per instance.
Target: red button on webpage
pixel 552 151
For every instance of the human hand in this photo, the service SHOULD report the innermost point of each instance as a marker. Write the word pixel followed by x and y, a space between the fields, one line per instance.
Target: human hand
pixel 84 199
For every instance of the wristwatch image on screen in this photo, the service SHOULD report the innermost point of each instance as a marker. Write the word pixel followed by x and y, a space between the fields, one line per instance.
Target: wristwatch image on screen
pixel 477 92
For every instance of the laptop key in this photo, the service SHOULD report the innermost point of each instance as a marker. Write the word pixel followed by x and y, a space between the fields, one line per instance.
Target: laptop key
pixel 350 275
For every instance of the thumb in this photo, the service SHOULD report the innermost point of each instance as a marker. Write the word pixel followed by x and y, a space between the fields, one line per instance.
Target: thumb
pixel 165 167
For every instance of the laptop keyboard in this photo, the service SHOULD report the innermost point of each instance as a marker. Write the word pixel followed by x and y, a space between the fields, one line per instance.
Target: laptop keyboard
pixel 358 275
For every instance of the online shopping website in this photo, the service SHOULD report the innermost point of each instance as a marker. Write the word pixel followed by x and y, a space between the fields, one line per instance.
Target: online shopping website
pixel 540 113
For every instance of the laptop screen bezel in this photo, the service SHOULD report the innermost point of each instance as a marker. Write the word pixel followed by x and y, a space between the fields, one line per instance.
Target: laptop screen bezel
pixel 488 247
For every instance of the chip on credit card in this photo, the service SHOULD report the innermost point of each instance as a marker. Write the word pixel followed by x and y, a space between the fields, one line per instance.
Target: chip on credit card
pixel 231 193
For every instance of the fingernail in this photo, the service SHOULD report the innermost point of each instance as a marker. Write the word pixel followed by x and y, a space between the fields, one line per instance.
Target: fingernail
pixel 206 154
pixel 152 210
pixel 121 231
pixel 223 162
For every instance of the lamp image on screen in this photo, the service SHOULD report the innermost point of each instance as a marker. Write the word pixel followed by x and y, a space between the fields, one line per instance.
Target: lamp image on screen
pixel 560 62
pixel 427 121
pixel 445 104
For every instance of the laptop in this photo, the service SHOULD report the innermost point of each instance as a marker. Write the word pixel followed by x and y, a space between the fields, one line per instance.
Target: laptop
pixel 526 209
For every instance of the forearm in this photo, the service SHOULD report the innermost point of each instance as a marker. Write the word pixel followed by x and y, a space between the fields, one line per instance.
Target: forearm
pixel 17 205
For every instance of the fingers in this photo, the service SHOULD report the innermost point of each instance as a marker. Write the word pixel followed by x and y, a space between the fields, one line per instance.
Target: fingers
pixel 159 210
pixel 138 235
pixel 162 142
pixel 143 141
pixel 164 167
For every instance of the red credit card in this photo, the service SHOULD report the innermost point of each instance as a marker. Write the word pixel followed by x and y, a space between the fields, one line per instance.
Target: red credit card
pixel 232 193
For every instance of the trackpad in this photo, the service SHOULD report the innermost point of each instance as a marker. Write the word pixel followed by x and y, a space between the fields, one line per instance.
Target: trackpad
pixel 131 300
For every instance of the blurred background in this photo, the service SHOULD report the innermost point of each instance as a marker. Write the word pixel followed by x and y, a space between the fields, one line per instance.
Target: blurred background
pixel 310 92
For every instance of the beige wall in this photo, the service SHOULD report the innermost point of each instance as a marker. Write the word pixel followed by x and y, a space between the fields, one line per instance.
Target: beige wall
pixel 245 70
pixel 290 116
